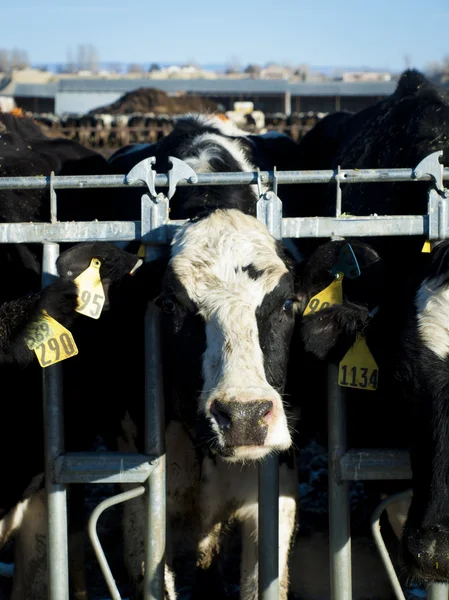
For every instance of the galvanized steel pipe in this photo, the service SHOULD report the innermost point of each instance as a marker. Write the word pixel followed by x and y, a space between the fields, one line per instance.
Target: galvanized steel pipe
pixel 56 493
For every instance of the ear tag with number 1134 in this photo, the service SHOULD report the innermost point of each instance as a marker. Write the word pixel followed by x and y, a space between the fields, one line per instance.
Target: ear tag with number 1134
pixel 358 369
pixel 91 296
pixel 50 340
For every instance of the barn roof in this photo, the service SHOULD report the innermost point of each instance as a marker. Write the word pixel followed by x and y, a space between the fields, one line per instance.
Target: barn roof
pixel 200 86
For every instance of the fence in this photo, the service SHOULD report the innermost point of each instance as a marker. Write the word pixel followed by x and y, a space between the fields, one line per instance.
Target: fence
pixel 148 469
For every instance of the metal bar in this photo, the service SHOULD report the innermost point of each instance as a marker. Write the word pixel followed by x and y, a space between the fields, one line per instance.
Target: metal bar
pixel 92 528
pixel 268 539
pixel 67 231
pixel 269 211
pixel 155 530
pixel 103 467
pixel 304 227
pixel 437 591
pixel 240 178
pixel 381 547
pixel 362 464
pixel 56 493
pixel 369 226
pixel 339 519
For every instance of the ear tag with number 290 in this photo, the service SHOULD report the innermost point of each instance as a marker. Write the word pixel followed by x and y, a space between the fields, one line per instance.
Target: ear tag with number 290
pixel 358 369
pixel 331 295
pixel 91 296
pixel 50 340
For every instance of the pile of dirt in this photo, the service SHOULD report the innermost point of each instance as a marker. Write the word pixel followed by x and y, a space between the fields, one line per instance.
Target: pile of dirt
pixel 149 100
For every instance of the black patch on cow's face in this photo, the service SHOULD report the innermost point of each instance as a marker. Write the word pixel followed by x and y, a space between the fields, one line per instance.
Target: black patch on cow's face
pixel 275 321
pixel 252 272
pixel 184 341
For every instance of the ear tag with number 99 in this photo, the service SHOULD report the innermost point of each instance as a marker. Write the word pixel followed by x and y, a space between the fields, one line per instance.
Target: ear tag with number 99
pixel 50 340
pixel 331 295
pixel 91 296
pixel 358 369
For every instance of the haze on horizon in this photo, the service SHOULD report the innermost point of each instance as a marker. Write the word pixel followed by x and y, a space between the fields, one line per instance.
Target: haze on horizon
pixel 384 35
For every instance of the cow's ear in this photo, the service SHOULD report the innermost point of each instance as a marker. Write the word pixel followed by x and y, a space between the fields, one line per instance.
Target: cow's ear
pixel 439 260
pixel 115 264
pixel 332 329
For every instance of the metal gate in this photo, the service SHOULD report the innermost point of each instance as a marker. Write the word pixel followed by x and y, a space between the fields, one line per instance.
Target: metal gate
pixel 148 469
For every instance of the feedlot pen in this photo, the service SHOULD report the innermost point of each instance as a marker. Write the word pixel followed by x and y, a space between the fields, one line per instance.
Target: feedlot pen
pixel 148 469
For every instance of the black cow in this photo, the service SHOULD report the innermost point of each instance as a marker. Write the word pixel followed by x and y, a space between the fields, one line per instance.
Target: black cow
pixel 26 151
pixel 227 293
pixel 396 132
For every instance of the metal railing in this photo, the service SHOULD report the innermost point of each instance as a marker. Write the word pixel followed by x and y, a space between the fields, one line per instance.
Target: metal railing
pixel 155 229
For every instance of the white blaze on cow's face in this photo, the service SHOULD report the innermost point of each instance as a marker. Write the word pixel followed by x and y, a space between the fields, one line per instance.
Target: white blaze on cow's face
pixel 229 266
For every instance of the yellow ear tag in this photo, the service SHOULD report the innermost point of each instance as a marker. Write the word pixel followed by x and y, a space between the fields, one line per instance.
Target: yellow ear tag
pixel 358 369
pixel 91 296
pixel 333 294
pixel 141 251
pixel 50 340
pixel 426 247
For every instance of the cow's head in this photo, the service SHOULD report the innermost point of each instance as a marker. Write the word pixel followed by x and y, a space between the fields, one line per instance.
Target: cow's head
pixel 229 297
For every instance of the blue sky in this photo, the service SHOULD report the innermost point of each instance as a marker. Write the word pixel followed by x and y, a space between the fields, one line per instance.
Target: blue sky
pixel 378 34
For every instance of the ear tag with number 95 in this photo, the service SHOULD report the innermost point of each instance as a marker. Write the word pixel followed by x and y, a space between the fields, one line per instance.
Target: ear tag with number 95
pixel 358 369
pixel 331 295
pixel 91 296
pixel 50 340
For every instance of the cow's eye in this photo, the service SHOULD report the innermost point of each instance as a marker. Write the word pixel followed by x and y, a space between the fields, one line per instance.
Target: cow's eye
pixel 288 304
pixel 168 305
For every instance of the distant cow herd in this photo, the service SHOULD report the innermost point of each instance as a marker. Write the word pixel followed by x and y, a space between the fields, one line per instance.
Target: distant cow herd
pixel 250 325
pixel 103 130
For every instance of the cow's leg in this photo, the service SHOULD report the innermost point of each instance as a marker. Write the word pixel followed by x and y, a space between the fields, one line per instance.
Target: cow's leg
pixel 182 480
pixel 213 500
pixel 30 571
pixel 248 514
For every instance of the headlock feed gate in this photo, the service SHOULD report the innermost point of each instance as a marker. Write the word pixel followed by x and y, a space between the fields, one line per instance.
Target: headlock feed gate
pixel 155 229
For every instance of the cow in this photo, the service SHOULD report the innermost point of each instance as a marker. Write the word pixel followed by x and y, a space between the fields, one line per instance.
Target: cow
pixel 226 291
pixel 22 502
pixel 26 151
pixel 399 131
pixel 396 132
pixel 422 372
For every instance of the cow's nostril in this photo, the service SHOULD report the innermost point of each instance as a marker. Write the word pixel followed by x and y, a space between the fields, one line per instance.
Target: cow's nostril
pixel 221 415
pixel 267 416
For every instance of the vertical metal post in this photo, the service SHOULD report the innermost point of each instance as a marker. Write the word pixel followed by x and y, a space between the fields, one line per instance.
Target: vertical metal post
pixel 154 444
pixel 154 214
pixel 56 494
pixel 269 528
pixel 339 514
pixel 438 591
pixel 269 211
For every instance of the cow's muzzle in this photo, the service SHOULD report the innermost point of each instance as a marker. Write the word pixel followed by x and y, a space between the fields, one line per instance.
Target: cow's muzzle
pixel 242 423
pixel 425 552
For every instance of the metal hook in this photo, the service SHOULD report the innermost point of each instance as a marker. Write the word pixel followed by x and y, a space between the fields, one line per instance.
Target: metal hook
pixel 430 165
pixel 143 172
pixel 180 170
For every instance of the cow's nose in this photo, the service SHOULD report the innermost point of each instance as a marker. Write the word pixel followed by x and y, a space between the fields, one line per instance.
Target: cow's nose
pixel 243 422
pixel 425 551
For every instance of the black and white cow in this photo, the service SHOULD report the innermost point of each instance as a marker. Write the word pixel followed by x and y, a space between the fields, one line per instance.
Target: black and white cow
pixel 424 376
pixel 227 293
pixel 399 132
